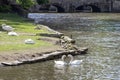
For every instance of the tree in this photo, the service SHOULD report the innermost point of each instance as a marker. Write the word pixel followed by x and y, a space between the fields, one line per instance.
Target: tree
pixel 4 6
pixel 42 1
pixel 26 3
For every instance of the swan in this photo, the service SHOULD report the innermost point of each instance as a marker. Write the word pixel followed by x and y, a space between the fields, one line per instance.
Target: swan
pixel 74 62
pixel 62 62
pixel 7 28
pixel 12 33
pixel 29 41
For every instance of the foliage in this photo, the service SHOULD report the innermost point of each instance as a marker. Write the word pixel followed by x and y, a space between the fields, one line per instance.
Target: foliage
pixel 26 3
pixel 5 8
pixel 42 1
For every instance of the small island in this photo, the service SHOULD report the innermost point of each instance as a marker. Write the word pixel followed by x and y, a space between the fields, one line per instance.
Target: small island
pixel 48 43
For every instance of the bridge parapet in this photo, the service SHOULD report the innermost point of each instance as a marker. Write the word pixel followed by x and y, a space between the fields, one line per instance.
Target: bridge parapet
pixel 72 5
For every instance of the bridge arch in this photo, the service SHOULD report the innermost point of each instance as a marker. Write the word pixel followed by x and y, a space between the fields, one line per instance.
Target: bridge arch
pixel 60 9
pixel 88 8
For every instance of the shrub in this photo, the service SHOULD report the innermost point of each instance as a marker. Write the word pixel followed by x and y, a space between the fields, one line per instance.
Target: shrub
pixel 5 8
pixel 26 3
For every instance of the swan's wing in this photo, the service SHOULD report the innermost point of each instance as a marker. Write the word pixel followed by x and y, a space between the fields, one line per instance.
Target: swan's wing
pixel 76 62
pixel 60 62
pixel 60 67
pixel 12 34
pixel 29 41
pixel 7 28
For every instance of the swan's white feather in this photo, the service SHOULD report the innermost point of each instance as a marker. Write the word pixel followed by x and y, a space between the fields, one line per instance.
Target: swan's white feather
pixel 7 27
pixel 60 63
pixel 29 41
pixel 12 34
pixel 75 62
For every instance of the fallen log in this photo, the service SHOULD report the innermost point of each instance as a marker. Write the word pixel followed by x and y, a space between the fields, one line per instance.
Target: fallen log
pixel 45 57
pixel 50 35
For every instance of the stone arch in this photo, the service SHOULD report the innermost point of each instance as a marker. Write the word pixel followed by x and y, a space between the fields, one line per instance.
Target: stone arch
pixel 43 8
pixel 88 8
pixel 60 9
pixel 52 8
pixel 95 8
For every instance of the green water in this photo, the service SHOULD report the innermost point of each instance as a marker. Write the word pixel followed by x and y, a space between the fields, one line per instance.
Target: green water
pixel 101 63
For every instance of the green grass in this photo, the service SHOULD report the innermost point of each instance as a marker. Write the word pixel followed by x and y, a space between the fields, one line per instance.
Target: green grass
pixel 24 28
pixel 19 23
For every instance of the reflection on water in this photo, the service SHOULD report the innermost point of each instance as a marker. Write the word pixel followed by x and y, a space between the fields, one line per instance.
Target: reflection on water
pixel 103 40
pixel 101 63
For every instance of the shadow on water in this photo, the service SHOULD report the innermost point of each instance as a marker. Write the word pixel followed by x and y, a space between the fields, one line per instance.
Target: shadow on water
pixel 102 63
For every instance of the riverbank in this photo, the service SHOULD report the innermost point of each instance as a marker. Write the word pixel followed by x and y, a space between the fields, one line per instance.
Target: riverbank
pixel 15 58
pixel 13 50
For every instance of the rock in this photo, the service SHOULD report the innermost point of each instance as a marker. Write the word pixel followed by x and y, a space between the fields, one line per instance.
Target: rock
pixel 67 39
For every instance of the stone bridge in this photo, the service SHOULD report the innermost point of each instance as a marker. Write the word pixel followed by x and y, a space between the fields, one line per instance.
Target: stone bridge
pixel 82 5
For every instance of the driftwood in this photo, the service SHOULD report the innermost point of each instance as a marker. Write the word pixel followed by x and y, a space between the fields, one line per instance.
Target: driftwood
pixel 50 35
pixel 44 57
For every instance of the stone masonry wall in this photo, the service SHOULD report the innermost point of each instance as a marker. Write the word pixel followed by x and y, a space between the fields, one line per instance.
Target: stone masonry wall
pixel 104 5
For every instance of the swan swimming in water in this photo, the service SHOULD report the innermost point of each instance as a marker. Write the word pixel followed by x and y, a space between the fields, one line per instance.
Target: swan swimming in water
pixel 62 62
pixel 74 62
pixel 7 28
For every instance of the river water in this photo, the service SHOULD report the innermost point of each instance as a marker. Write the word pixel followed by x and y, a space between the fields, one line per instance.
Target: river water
pixel 102 62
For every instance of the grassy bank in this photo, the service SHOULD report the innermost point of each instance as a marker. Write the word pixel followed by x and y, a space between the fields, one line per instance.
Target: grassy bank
pixel 24 28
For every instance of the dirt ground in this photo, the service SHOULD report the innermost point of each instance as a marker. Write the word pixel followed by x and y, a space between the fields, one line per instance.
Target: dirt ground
pixel 9 56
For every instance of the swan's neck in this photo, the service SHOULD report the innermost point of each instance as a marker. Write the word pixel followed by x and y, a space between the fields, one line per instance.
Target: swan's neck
pixel 63 58
pixel 71 58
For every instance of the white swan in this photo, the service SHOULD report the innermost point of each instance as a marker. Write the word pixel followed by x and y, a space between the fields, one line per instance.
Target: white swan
pixel 62 62
pixel 29 41
pixel 7 28
pixel 12 33
pixel 74 62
